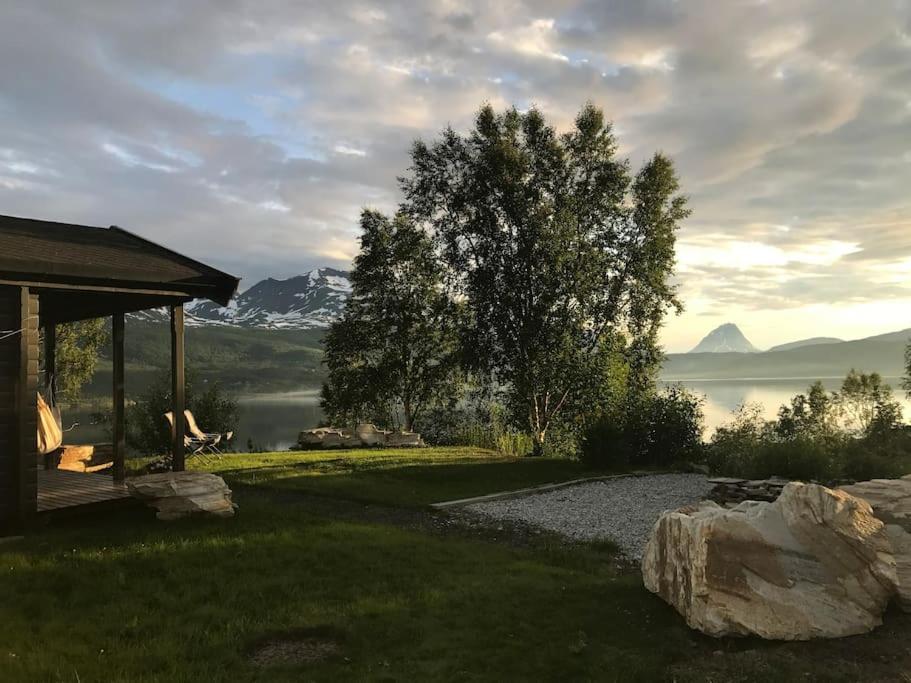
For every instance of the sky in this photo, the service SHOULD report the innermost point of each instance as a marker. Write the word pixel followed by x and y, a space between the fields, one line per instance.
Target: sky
pixel 250 133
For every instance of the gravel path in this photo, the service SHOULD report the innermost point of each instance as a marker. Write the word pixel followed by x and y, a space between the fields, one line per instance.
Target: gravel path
pixel 622 510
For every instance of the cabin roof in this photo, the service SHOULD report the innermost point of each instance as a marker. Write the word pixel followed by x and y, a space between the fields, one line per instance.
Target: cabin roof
pixel 112 260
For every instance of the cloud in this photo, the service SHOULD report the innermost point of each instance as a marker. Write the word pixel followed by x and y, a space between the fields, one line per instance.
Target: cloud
pixel 251 133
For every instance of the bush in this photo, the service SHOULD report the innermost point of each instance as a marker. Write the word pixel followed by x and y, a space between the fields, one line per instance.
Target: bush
pixel 659 429
pixel 809 459
pixel 809 442
pixel 481 423
pixel 146 428
pixel 801 459
pixel 735 447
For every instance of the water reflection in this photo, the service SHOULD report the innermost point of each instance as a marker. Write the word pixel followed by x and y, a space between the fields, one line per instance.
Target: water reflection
pixel 272 421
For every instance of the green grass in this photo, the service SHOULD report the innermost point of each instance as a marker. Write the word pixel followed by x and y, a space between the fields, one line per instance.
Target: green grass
pixel 131 599
pixel 124 597
pixel 395 476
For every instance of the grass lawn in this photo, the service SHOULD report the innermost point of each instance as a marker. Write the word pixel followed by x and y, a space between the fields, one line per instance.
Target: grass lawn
pixel 128 598
pixel 394 476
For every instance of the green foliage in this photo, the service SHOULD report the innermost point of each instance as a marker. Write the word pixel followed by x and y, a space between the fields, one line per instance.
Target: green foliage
pixel 866 402
pixel 855 433
pixel 811 415
pixel 734 447
pixel 553 246
pixel 147 430
pixel 877 458
pixel 478 422
pixel 906 381
pixel 395 351
pixel 655 429
pixel 78 346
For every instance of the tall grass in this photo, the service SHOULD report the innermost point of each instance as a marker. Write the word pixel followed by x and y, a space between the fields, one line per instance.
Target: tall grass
pixel 495 437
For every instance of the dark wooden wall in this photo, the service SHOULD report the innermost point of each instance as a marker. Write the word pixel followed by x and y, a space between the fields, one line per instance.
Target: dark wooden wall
pixel 18 410
pixel 9 378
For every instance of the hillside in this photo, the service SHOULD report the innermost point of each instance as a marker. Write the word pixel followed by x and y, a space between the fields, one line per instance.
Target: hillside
pixel 242 360
pixel 305 302
pixel 883 354
pixel 813 341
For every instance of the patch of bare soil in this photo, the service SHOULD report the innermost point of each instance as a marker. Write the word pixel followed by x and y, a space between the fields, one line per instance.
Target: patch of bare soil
pixel 294 649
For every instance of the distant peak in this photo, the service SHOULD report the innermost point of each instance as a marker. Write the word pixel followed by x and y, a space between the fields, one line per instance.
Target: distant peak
pixel 726 338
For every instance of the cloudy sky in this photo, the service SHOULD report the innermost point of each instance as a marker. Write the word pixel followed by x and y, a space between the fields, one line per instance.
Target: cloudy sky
pixel 249 133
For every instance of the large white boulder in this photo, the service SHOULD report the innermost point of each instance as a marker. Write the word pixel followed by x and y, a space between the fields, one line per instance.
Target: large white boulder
pixel 891 503
pixel 815 563
pixel 179 494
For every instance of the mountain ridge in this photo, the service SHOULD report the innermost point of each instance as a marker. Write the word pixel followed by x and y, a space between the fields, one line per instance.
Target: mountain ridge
pixel 882 353
pixel 303 302
pixel 812 341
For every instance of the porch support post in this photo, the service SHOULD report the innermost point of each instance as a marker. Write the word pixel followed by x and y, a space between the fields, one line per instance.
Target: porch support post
pixel 50 354
pixel 26 485
pixel 177 388
pixel 117 334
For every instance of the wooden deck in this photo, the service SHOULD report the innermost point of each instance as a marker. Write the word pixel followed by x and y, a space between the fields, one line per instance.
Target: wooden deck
pixel 63 489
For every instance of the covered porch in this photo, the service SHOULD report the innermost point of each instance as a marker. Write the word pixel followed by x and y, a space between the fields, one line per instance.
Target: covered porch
pixel 55 273
pixel 60 489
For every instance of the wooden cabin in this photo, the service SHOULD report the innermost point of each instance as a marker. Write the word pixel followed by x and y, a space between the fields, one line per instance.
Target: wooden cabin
pixel 53 273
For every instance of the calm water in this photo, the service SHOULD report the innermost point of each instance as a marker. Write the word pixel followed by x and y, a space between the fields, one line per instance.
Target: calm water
pixel 272 421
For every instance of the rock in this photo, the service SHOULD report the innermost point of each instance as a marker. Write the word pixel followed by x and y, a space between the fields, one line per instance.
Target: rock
pixel 326 437
pixel 365 435
pixel 891 503
pixel 815 563
pixel 369 435
pixel 404 439
pixel 726 490
pixel 179 494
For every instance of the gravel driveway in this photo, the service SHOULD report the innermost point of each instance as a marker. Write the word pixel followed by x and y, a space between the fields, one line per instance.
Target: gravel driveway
pixel 622 510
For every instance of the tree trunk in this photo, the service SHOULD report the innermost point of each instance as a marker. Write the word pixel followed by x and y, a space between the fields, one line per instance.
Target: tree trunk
pixel 409 415
pixel 538 427
pixel 537 440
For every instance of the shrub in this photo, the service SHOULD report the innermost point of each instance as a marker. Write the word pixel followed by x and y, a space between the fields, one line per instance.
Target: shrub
pixel 480 423
pixel 812 440
pixel 658 429
pixel 148 431
pixel 607 444
pixel 734 447
pixel 802 459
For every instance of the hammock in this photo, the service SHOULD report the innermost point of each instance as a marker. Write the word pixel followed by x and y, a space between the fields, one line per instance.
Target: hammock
pixel 50 427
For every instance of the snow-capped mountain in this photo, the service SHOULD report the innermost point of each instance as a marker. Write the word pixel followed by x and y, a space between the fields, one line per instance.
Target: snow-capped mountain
pixel 726 338
pixel 303 302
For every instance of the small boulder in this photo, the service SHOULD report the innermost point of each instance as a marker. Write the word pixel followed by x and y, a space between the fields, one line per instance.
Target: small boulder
pixel 179 494
pixel 815 563
pixel 891 503
pixel 369 435
pixel 404 440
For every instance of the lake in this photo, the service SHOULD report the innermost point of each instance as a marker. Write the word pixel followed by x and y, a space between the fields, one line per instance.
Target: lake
pixel 272 421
